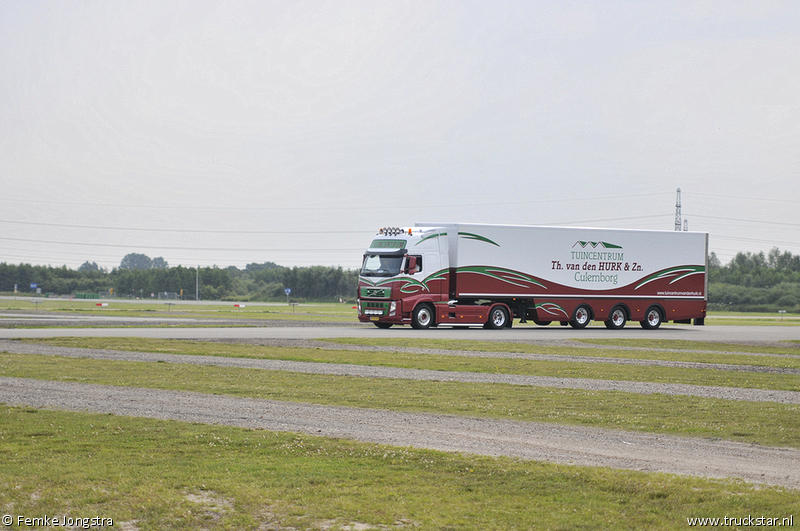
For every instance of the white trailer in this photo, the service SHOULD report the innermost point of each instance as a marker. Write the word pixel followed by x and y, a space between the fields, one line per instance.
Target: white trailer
pixel 472 274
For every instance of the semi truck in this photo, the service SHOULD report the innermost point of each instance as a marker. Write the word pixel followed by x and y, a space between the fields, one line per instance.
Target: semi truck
pixel 466 274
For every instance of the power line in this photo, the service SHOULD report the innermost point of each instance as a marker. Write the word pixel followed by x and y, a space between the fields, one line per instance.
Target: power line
pixel 748 220
pixel 777 200
pixel 629 218
pixel 383 207
pixel 114 245
pixel 752 240
pixel 204 231
pixel 199 231
pixel 176 248
pixel 279 232
pixel 322 208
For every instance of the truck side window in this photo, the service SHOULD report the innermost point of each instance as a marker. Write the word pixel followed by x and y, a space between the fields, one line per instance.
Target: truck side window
pixel 419 263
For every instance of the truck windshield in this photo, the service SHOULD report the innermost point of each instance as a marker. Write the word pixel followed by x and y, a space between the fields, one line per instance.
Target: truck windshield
pixel 377 265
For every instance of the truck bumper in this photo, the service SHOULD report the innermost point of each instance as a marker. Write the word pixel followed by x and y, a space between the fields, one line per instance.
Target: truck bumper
pixel 379 311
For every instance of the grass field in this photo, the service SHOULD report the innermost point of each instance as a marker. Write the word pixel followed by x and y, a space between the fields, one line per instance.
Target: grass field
pixel 159 475
pixel 171 309
pixel 149 474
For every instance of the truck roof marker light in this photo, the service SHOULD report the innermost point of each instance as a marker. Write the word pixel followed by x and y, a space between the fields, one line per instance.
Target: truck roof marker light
pixel 394 231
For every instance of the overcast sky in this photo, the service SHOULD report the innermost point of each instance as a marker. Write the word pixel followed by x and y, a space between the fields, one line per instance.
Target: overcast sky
pixel 226 133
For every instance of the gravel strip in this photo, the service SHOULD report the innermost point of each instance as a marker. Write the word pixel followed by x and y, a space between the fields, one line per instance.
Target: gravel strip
pixel 539 441
pixel 363 371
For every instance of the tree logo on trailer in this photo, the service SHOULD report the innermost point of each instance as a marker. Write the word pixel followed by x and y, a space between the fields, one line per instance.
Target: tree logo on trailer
pixel 595 245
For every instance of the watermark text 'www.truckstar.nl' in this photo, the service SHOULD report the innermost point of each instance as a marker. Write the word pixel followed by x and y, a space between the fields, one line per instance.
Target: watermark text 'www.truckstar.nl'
pixel 745 521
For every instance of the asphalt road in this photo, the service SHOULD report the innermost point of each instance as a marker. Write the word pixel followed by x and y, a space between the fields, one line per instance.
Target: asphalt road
pixel 720 333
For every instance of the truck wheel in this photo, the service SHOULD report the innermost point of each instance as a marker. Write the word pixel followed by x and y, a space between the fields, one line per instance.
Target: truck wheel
pixel 617 319
pixel 422 317
pixel 581 317
pixel 652 318
pixel 541 323
pixel 498 318
pixel 383 325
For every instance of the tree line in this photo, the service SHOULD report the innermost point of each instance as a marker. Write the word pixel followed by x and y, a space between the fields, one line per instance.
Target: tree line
pixel 749 282
pixel 140 277
pixel 755 282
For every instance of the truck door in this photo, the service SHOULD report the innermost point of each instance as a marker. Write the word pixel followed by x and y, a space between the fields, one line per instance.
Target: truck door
pixel 432 266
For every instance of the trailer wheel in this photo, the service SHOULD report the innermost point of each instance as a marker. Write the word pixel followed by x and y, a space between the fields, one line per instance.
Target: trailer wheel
pixel 617 318
pixel 652 318
pixel 581 317
pixel 422 316
pixel 498 318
